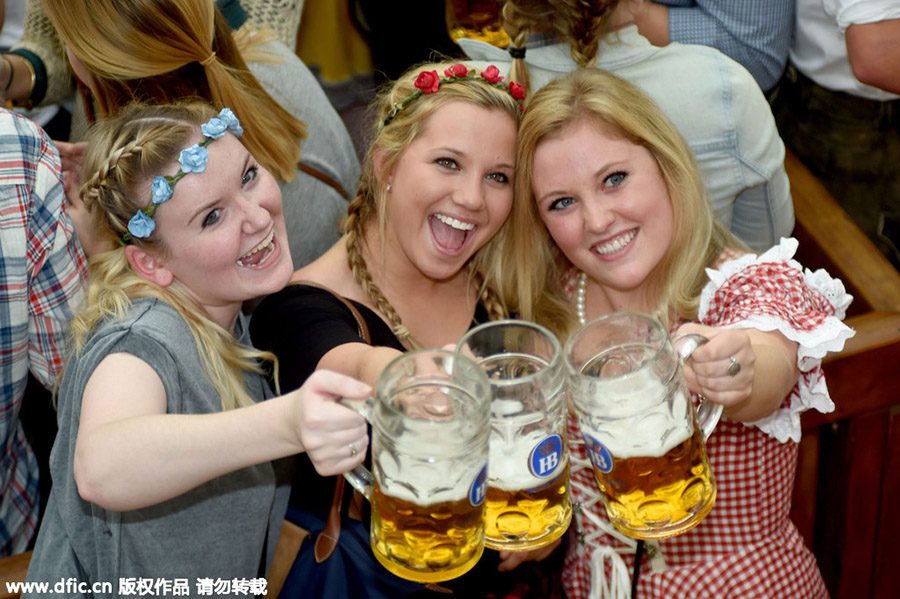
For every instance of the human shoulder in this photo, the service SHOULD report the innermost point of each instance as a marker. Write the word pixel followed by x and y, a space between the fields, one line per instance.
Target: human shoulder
pixel 24 148
pixel 289 81
pixel 331 271
pixel 859 12
pixel 150 330
pixel 705 60
pixel 753 288
pixel 147 317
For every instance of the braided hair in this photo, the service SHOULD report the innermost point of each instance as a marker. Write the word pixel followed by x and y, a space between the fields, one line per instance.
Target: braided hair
pixel 368 207
pixel 580 22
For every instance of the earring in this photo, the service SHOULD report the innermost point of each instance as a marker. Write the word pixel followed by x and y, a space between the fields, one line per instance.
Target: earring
pixel 388 189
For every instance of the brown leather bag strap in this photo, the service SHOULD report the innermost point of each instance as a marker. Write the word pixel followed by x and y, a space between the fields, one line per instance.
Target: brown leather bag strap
pixel 316 173
pixel 361 326
pixel 327 540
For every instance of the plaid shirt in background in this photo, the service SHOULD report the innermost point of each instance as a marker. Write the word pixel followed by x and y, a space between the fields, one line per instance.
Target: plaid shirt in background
pixel 42 272
pixel 756 34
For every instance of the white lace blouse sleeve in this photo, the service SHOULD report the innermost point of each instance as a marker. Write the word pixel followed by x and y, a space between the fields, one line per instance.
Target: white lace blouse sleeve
pixel 773 292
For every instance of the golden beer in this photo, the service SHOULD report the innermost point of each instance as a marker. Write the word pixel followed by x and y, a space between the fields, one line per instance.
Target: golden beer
pixel 476 19
pixel 656 497
pixel 527 519
pixel 426 543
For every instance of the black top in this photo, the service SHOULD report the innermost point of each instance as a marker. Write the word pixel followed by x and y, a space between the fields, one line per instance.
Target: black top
pixel 300 324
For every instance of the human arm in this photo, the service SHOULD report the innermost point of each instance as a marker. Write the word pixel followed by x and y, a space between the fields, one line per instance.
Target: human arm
pixel 768 370
pixel 510 560
pixel 57 285
pixel 359 360
pixel 72 156
pixel 773 292
pixel 652 20
pixel 756 34
pixel 43 51
pixel 329 332
pixel 131 454
pixel 874 53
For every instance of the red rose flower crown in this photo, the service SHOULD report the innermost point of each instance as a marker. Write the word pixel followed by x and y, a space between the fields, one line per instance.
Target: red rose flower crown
pixel 429 82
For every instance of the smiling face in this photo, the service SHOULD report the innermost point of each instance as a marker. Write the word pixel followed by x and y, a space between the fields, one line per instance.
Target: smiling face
pixel 606 205
pixel 224 231
pixel 451 189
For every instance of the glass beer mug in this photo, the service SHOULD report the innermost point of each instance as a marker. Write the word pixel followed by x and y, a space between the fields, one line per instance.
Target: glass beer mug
pixel 639 425
pixel 476 19
pixel 430 426
pixel 527 503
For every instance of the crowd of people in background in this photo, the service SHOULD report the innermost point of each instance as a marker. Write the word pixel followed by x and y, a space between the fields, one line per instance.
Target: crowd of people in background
pixel 213 257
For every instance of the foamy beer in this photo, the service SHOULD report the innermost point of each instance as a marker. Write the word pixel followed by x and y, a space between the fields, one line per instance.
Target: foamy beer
pixel 430 427
pixel 476 19
pixel 640 426
pixel 527 502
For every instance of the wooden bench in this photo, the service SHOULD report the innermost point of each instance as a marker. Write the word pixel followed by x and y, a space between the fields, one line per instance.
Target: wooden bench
pixel 847 491
pixel 13 569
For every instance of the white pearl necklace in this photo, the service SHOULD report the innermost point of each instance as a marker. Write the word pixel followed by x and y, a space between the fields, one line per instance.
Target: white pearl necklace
pixel 580 292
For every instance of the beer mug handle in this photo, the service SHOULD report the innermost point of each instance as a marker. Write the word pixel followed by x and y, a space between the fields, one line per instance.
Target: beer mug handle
pixel 708 413
pixel 360 477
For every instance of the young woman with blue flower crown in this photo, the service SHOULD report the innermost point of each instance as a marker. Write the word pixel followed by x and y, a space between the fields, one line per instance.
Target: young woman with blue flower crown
pixel 437 186
pixel 609 197
pixel 163 466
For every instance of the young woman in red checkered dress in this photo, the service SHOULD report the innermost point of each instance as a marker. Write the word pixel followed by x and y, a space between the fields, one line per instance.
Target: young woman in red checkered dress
pixel 609 193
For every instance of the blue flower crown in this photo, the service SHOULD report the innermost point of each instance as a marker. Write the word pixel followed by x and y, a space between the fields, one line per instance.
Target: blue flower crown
pixel 192 160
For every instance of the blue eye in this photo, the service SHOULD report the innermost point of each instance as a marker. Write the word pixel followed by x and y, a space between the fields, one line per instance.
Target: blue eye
pixel 561 203
pixel 616 178
pixel 251 174
pixel 211 218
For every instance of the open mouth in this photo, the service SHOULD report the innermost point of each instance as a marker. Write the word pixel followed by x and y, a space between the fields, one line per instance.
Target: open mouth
pixel 450 234
pixel 258 255
pixel 616 244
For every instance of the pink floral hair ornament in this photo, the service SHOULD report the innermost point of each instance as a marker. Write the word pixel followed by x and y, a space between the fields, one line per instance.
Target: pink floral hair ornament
pixel 192 160
pixel 428 82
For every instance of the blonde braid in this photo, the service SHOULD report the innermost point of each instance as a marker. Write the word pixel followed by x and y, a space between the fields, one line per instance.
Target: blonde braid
pixel 354 227
pixel 518 27
pixel 103 182
pixel 488 297
pixel 587 21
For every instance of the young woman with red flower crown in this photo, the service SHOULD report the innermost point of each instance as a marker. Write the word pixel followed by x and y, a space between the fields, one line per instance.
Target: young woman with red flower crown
pixel 437 185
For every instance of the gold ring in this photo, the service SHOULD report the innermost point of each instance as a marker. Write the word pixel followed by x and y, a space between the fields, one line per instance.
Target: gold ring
pixel 734 367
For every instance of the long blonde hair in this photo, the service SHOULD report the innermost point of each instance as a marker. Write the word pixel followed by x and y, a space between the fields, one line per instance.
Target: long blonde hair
pixel 125 152
pixel 601 98
pixel 389 142
pixel 162 51
pixel 580 23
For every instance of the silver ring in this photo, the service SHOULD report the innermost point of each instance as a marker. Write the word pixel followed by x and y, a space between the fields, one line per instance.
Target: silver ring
pixel 734 367
pixel 353 451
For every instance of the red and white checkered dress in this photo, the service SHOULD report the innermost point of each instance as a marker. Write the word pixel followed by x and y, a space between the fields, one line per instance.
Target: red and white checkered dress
pixel 747 546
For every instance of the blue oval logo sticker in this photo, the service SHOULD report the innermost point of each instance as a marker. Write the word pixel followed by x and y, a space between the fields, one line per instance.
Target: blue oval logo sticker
pixel 545 456
pixel 600 457
pixel 478 491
